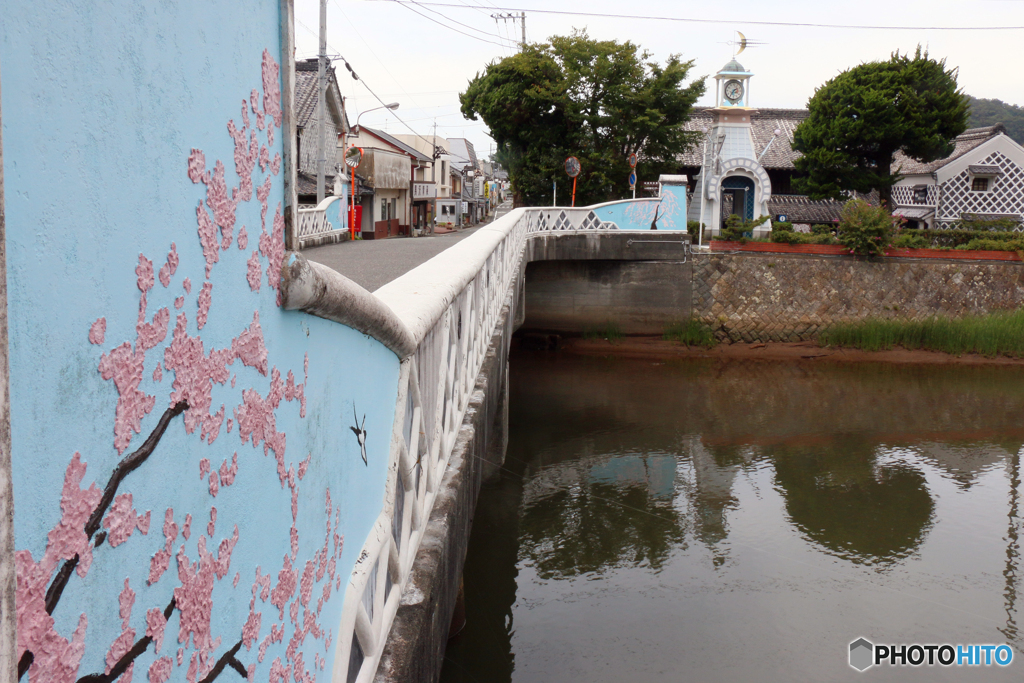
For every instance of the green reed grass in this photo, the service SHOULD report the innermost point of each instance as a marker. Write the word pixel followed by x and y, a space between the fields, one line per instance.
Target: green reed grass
pixel 692 333
pixel 996 334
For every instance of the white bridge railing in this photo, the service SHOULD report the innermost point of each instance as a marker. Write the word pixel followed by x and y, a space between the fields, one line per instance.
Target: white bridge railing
pixel 451 305
pixel 314 222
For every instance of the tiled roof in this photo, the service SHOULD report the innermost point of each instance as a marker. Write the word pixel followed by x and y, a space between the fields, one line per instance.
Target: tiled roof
pixel 963 144
pixel 305 89
pixel 763 124
pixel 396 143
pixel 801 209
pixel 980 169
pixel 462 153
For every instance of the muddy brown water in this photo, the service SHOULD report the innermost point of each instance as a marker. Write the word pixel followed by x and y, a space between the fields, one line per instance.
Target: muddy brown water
pixel 744 521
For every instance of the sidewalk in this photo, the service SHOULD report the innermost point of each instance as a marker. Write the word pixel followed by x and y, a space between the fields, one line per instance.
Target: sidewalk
pixel 374 263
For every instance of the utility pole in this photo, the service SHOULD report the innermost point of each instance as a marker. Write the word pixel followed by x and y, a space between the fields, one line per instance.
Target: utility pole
pixel 512 16
pixel 321 106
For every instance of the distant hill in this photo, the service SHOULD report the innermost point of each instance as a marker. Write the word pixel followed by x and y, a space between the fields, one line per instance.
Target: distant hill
pixel 990 112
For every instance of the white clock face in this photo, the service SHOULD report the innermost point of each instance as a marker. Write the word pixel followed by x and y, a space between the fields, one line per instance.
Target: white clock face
pixel 734 91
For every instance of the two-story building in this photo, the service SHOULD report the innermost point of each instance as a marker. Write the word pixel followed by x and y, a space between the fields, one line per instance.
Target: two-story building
pixel 308 131
pixel 391 168
pixel 982 179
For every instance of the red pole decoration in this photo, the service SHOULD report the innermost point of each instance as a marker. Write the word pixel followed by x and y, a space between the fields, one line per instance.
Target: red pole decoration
pixel 574 192
pixel 353 157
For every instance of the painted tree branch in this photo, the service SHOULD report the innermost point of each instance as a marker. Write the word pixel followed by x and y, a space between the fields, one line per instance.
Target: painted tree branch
pixel 126 660
pixel 227 659
pixel 127 465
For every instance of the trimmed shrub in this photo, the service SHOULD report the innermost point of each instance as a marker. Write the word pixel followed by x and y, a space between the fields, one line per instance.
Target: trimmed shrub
pixel 867 230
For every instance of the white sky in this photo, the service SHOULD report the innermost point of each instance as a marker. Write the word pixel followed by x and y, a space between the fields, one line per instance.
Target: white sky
pixel 424 66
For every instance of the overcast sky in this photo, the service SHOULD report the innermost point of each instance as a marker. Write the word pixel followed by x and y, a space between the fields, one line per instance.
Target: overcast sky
pixel 424 64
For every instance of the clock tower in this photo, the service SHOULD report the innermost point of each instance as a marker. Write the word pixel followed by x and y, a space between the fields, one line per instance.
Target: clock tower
pixel 731 180
pixel 732 86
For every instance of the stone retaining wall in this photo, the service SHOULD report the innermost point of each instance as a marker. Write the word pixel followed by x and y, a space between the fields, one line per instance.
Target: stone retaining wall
pixel 777 297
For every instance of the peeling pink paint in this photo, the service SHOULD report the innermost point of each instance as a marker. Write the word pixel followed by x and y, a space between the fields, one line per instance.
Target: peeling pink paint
pixel 249 347
pixel 303 467
pixel 254 102
pixel 243 239
pixel 122 520
pixel 187 285
pixel 229 425
pixel 98 331
pixel 179 302
pixel 194 598
pixel 158 373
pixel 285 587
pixel 125 601
pixel 271 92
pixel 275 165
pixel 234 378
pixel 181 655
pixel 264 159
pixel 207 237
pixel 222 206
pixel 158 565
pixel 234 583
pixel 211 426
pixel 255 272
pixel 227 474
pixel 186 530
pixel 272 248
pixel 204 468
pixel 160 670
pixel 168 269
pixel 118 649
pixel 251 629
pixel 205 298
pixel 214 489
pixel 155 625
pixel 197 172
pixel 194 373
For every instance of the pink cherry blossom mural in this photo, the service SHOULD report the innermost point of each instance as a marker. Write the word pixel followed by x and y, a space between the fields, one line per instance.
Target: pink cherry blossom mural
pixel 172 377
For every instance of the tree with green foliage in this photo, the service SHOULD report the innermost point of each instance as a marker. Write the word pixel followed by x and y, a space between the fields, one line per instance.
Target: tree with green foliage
pixel 599 101
pixel 862 117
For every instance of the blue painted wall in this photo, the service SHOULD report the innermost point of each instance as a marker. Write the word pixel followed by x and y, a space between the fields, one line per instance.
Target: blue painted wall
pixel 103 103
pixel 637 214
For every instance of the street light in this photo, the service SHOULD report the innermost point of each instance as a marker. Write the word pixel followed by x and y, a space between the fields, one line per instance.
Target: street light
pixel 393 106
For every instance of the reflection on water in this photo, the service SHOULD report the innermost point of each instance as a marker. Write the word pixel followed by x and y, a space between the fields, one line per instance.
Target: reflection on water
pixel 702 521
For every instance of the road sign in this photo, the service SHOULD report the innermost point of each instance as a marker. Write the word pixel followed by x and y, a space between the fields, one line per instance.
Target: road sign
pixel 353 157
pixel 632 180
pixel 632 161
pixel 572 167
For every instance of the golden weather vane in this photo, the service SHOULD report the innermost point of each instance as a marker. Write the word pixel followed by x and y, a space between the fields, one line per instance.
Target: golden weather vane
pixel 743 43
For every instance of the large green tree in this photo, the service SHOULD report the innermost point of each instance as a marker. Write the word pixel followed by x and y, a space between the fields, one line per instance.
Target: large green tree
pixel 862 117
pixel 990 112
pixel 599 101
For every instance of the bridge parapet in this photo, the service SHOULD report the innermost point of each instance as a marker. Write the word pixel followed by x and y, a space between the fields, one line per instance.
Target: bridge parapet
pixel 439 318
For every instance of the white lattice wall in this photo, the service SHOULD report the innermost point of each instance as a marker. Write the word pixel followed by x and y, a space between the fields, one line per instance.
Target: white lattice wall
pixel 903 195
pixel 1005 197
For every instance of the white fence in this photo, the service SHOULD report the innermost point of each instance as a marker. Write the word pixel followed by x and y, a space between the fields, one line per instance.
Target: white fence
pixel 315 223
pixel 450 305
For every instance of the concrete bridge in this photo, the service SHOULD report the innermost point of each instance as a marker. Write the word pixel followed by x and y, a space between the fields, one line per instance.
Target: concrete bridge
pixel 450 321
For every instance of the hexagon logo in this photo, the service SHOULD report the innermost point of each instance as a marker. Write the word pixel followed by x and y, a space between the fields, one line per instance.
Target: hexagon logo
pixel 861 654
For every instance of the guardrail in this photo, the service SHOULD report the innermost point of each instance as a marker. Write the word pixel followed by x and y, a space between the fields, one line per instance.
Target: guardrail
pixel 315 223
pixel 439 319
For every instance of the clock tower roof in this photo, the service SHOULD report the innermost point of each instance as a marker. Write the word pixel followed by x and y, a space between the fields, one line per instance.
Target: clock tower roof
pixel 733 67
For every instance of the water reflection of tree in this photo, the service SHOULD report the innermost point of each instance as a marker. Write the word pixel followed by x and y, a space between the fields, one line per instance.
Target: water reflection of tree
pixel 840 497
pixel 595 525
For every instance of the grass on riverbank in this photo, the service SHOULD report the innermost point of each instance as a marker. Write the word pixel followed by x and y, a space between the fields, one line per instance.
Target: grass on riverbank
pixel 996 334
pixel 691 333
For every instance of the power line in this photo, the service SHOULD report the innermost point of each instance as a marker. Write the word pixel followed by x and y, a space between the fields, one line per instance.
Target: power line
pixel 408 6
pixel 472 28
pixel 732 22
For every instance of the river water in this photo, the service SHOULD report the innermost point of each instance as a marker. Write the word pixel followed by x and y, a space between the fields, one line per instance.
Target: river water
pixel 744 521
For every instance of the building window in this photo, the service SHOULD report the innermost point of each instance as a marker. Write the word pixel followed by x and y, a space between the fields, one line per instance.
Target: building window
pixel 979 185
pixel 920 194
pixel 383 209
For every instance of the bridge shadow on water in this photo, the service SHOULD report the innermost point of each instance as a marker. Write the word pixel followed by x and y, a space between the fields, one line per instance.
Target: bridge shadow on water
pixel 651 517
